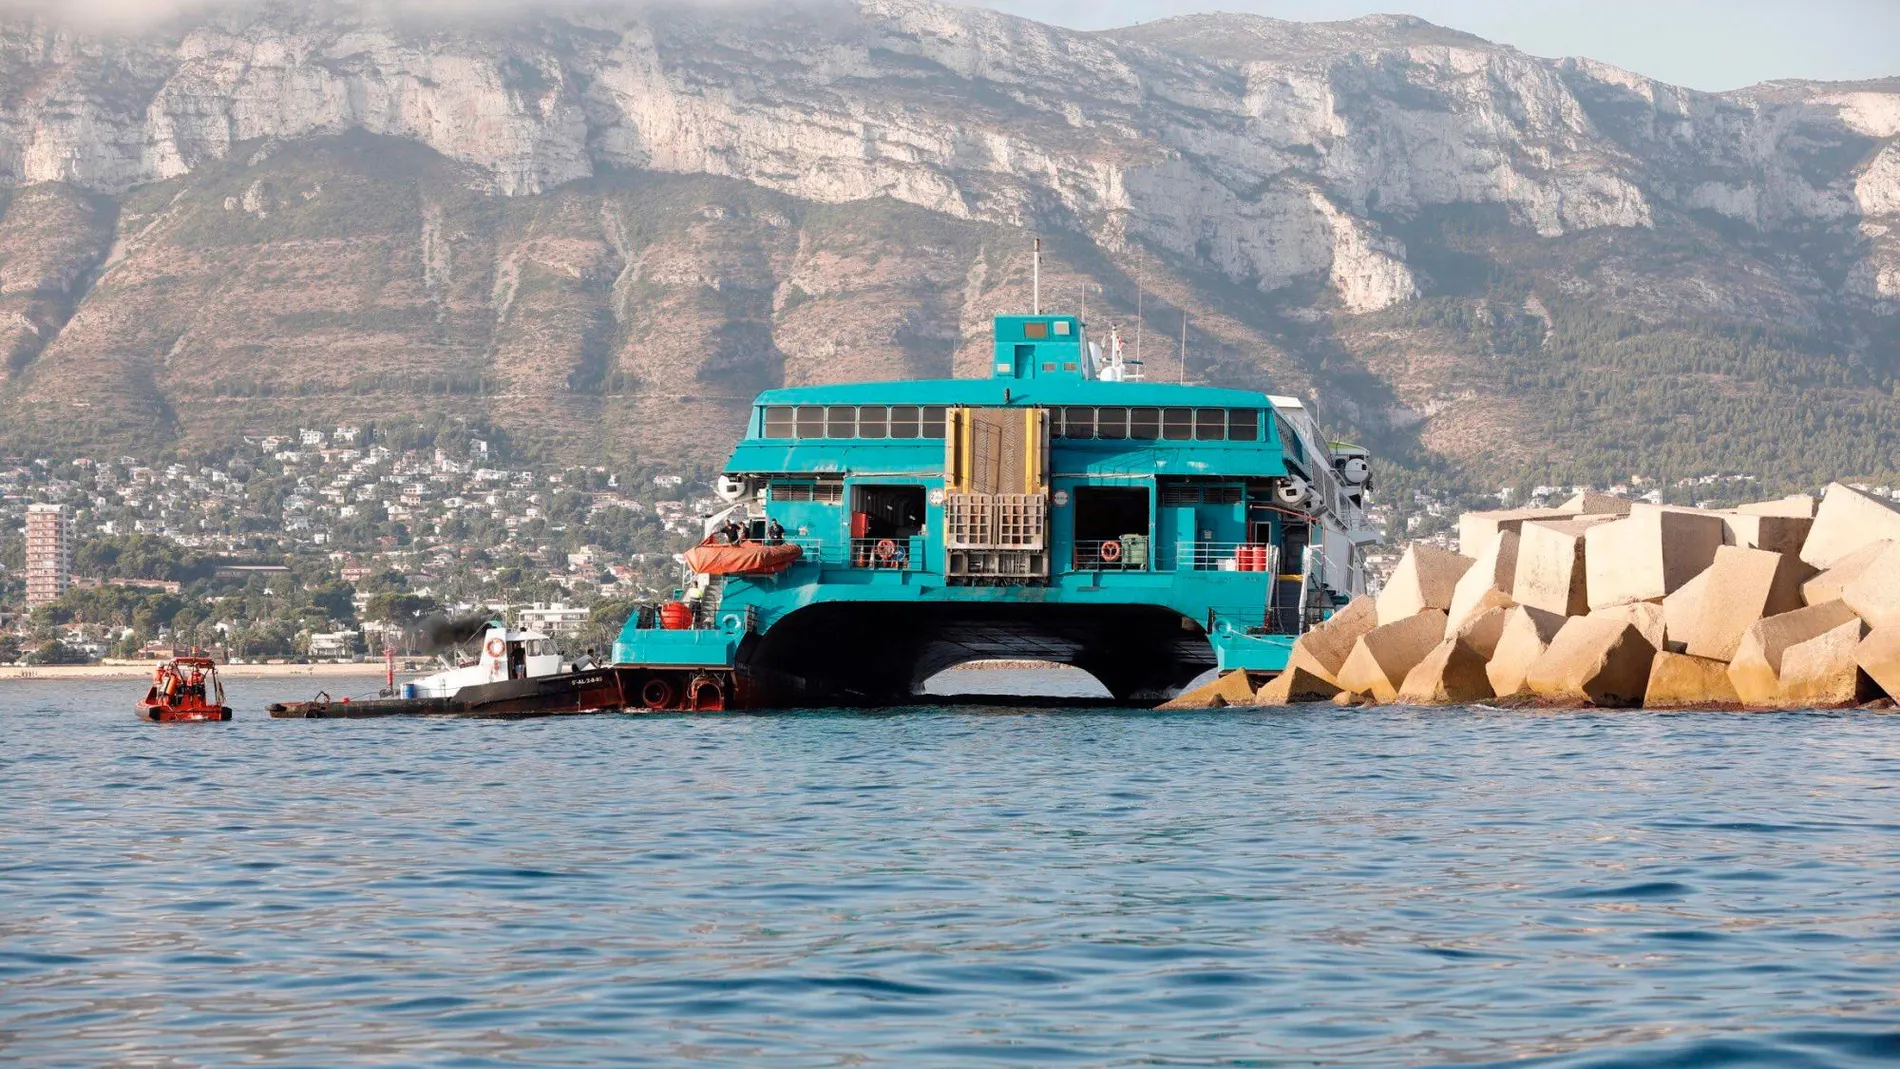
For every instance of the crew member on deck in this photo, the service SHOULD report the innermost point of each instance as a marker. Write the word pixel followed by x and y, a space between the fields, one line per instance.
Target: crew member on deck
pixel 733 532
pixel 774 533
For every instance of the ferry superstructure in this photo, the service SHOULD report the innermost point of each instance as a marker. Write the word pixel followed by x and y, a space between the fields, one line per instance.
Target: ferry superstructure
pixel 1062 509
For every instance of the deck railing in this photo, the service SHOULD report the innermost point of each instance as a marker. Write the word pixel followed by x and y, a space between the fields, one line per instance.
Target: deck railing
pixel 1226 557
pixel 1110 555
pixel 887 554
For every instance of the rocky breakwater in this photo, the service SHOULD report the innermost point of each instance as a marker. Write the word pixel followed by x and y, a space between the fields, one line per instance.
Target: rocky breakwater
pixel 1788 604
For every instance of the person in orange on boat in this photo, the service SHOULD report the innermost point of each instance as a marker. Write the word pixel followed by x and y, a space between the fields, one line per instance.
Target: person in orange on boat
pixel 196 687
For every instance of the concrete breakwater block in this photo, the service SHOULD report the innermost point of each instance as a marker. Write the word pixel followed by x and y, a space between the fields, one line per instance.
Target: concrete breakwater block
pixel 1425 579
pixel 1679 681
pixel 1451 674
pixel 1592 503
pixel 1550 567
pixel 1477 529
pixel 1645 616
pixel 1323 650
pixel 1740 588
pixel 1648 554
pixel 1295 686
pixel 1798 505
pixel 1756 668
pixel 1232 688
pixel 1483 631
pixel 1602 662
pixel 1847 520
pixel 1776 534
pixel 1679 610
pixel 1832 583
pixel 1487 583
pixel 1879 657
pixel 1384 656
pixel 1521 641
pixel 1823 672
pixel 1874 594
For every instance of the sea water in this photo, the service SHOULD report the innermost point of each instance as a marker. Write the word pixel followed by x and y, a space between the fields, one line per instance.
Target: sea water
pixel 946 886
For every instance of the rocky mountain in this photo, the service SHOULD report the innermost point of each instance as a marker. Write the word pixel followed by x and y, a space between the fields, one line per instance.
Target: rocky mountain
pixel 604 229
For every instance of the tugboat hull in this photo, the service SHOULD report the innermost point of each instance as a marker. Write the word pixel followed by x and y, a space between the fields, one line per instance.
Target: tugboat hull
pixel 172 714
pixel 599 690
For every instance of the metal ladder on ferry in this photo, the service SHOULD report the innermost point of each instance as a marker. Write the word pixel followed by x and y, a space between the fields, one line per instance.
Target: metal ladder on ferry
pixel 709 602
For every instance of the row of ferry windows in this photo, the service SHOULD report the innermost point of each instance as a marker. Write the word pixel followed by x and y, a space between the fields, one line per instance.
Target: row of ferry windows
pixel 927 421
pixel 854 421
pixel 1167 424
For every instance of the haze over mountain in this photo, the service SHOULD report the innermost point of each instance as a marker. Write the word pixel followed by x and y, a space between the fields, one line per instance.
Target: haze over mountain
pixel 605 228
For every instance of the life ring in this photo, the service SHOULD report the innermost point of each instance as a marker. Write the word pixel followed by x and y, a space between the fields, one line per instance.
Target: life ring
pixel 496 647
pixel 886 549
pixel 657 693
pixel 1111 551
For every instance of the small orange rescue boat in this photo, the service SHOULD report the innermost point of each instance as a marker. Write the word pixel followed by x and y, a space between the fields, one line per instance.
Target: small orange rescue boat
pixel 185 690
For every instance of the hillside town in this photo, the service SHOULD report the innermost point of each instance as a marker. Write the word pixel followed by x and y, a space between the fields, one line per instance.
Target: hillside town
pixel 325 544
pixel 338 543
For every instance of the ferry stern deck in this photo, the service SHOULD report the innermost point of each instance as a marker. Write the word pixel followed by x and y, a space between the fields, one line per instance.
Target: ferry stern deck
pixel 1063 509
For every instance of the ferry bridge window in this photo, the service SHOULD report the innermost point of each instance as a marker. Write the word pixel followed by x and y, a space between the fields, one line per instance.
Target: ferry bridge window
pixel 841 421
pixel 1078 423
pixel 1111 423
pixel 811 421
pixel 1243 425
pixel 1144 423
pixel 904 421
pixel 873 421
pixel 1210 424
pixel 1177 424
pixel 1035 330
pixel 778 422
pixel 934 420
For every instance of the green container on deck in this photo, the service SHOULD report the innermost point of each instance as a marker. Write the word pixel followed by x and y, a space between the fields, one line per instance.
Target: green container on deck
pixel 1135 550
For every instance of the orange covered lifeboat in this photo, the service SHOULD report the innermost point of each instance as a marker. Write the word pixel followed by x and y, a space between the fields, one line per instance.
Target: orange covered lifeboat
pixel 747 558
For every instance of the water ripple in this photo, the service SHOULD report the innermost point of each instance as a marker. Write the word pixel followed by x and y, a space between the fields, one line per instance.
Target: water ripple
pixel 948 887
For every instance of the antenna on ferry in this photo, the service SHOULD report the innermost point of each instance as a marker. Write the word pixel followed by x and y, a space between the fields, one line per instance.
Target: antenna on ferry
pixel 1035 292
pixel 1184 346
pixel 1140 262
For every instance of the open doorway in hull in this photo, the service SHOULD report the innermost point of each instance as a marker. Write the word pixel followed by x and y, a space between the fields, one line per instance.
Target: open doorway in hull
pixel 1111 527
pixel 885 523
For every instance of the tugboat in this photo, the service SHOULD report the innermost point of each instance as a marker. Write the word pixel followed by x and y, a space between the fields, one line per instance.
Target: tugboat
pixel 185 690
pixel 513 674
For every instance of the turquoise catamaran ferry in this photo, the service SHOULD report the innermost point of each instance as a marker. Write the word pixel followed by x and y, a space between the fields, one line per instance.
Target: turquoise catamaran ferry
pixel 1063 509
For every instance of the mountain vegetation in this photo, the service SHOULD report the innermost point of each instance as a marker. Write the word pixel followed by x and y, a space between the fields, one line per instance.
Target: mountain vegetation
pixel 603 233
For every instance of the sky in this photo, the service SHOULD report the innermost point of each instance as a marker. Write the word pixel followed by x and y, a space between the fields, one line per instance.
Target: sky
pixel 1704 44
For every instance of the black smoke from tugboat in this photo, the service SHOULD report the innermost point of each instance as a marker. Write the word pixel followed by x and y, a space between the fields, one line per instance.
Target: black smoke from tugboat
pixel 440 634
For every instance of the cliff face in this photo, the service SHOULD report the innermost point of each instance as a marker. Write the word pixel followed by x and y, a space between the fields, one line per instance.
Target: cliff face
pixel 1311 166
